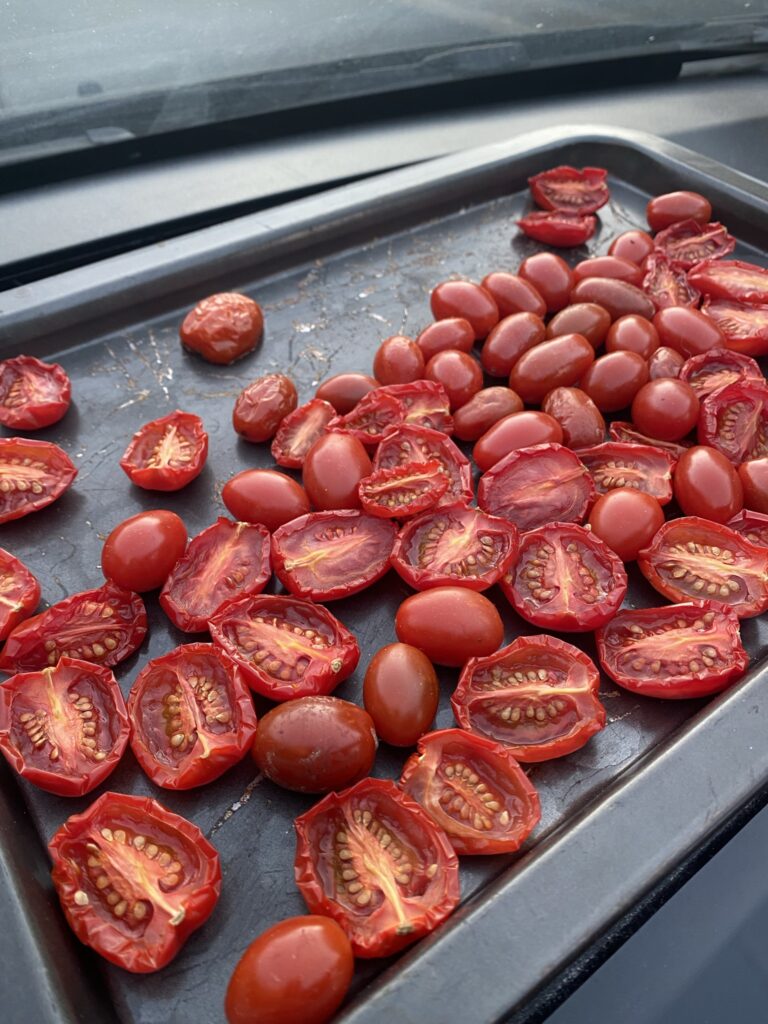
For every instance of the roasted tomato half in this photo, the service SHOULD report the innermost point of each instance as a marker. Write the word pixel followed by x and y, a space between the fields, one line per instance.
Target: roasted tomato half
pixel 644 467
pixel 695 559
pixel 567 188
pixel 374 416
pixel 420 444
pixel 19 592
pixel 426 404
pixel 373 860
pixel 134 879
pixel 752 525
pixel 532 486
pixel 32 475
pixel 745 327
pixel 403 491
pixel 627 433
pixel 33 394
pixel 474 789
pixel 563 230
pixel 455 545
pixel 735 421
pixel 328 555
pixel 299 431
pixel 104 626
pixel 731 279
pixel 566 579
pixel 667 284
pixel 64 728
pixel 167 454
pixel 224 562
pixel 192 716
pixel 678 651
pixel 538 696
pixel 687 243
pixel 718 368
pixel 286 648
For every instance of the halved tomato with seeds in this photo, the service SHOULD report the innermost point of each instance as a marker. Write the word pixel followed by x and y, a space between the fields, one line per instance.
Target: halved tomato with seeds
pixel 64 728
pixel 299 431
pixel 168 453
pixel 104 626
pixel 374 416
pixel 537 696
pixel 644 467
pixel 676 652
pixel 545 483
pixel 688 242
pixel 666 284
pixel 286 648
pixel 718 368
pixel 403 491
pixel 426 404
pixel 134 879
pixel 192 716
pixel 745 327
pixel 32 475
pixel 566 579
pixel 752 525
pixel 474 789
pixel 409 443
pixel 734 280
pixel 567 188
pixel 695 559
pixel 33 394
pixel 557 228
pixel 627 433
pixel 455 545
pixel 224 562
pixel 373 860
pixel 19 592
pixel 735 421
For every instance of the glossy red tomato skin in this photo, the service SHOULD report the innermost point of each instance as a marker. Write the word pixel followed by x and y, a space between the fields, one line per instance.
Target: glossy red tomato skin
pixel 28 702
pixel 409 443
pixel 296 972
pixel 509 339
pixel 452 333
pixel 552 364
pixel 632 333
pixel 718 368
pixel 671 207
pixel 584 318
pixel 614 379
pixel 140 552
pixel 401 693
pixel 264 496
pixel 665 362
pixel 20 590
pixel 619 298
pixel 175 910
pixel 734 419
pixel 733 280
pixel 753 477
pixel 398 360
pixel 744 326
pixel 459 374
pixel 299 431
pixel 752 525
pixel 483 410
pixel 609 266
pixel 44 468
pixel 541 673
pixel 189 745
pixel 707 485
pixel 687 330
pixel 518 430
pixel 682 632
pixel 344 390
pixel 551 276
pixel 513 294
pixel 579 418
pixel 223 327
pixel 632 245
pixel 449 624
pixel 315 744
pixel 688 242
pixel 666 409
pixel 642 467
pixel 168 453
pixel 333 469
pixel 455 763
pixel 403 491
pixel 262 406
pixel 373 417
pixel 569 189
pixel 564 230
pixel 33 394
pixel 666 283
pixel 467 300
pixel 626 520
pixel 425 404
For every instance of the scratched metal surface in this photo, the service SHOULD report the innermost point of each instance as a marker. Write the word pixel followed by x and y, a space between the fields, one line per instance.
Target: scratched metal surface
pixel 324 315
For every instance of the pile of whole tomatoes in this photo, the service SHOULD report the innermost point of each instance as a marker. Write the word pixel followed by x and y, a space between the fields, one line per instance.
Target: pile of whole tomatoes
pixel 558 511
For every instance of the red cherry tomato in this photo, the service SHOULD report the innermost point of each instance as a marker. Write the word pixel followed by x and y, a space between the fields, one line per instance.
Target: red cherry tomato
pixel 19 593
pixel 585 318
pixel 687 242
pixel 449 624
pixel 718 368
pixel 401 693
pixel 518 430
pixel 373 860
pixel 398 360
pixel 514 294
pixel 223 327
pixel 296 972
pixel 64 728
pixel 564 230
pixel 33 394
pixel 735 421
pixel 333 469
pixel 643 467
pixel 32 475
pixel 707 485
pixel 373 417
pixel 754 481
pixel 403 491
pixel 315 744
pixel 733 280
pixel 264 496
pixel 566 188
pixel 675 652
pixel 626 520
pixel 164 872
pixel 551 364
pixel 687 330
pixel 666 409
pixel 474 790
pixel 344 390
pixel 459 374
pixel 627 433
pixel 538 697
pixel 667 284
pixel 613 380
pixel 419 444
pixel 551 276
pixel 192 716
pixel 425 403
pixel 566 579
pixel 262 406
pixel 665 362
pixel 671 207
pixel 508 340
pixel 619 298
pixel 166 454
pixel 452 333
pixel 744 327
pixel 467 300
pixel 632 333
pixel 299 431
pixel 752 525
pixel 609 266
pixel 578 416
pixel 483 410
pixel 632 245
pixel 141 551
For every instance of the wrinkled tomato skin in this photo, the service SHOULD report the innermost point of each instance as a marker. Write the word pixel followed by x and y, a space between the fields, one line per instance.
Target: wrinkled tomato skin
pixel 514 294
pixel 262 406
pixel 718 368
pixel 643 467
pixel 613 380
pixel 626 520
pixel 467 300
pixel 665 362
pixel 168 453
pixel 299 431
pixel 579 418
pixel 551 276
pixel 223 327
pixel 333 469
pixel 666 283
pixel 509 339
pixel 45 468
pixel 264 496
pixel 296 972
pixel 459 374
pixel 707 485
pixel 632 333
pixel 609 266
pixel 632 245
pixel 734 419
pixel 401 693
pixel 552 364
pixel 571 190
pixel 752 525
pixel 452 333
pixel 557 228
pixel 483 410
pixel 687 330
pixel 585 318
pixel 398 360
pixel 619 298
pixel 518 430
pixel 141 551
pixel 20 590
pixel 344 390
pixel 33 394
pixel 666 409
pixel 449 624
pixel 62 764
pixel 667 209
pixel 623 432
pixel 754 481
pixel 315 744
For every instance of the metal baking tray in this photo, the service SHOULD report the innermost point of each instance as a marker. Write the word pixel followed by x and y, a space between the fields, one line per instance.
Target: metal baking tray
pixel 336 274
